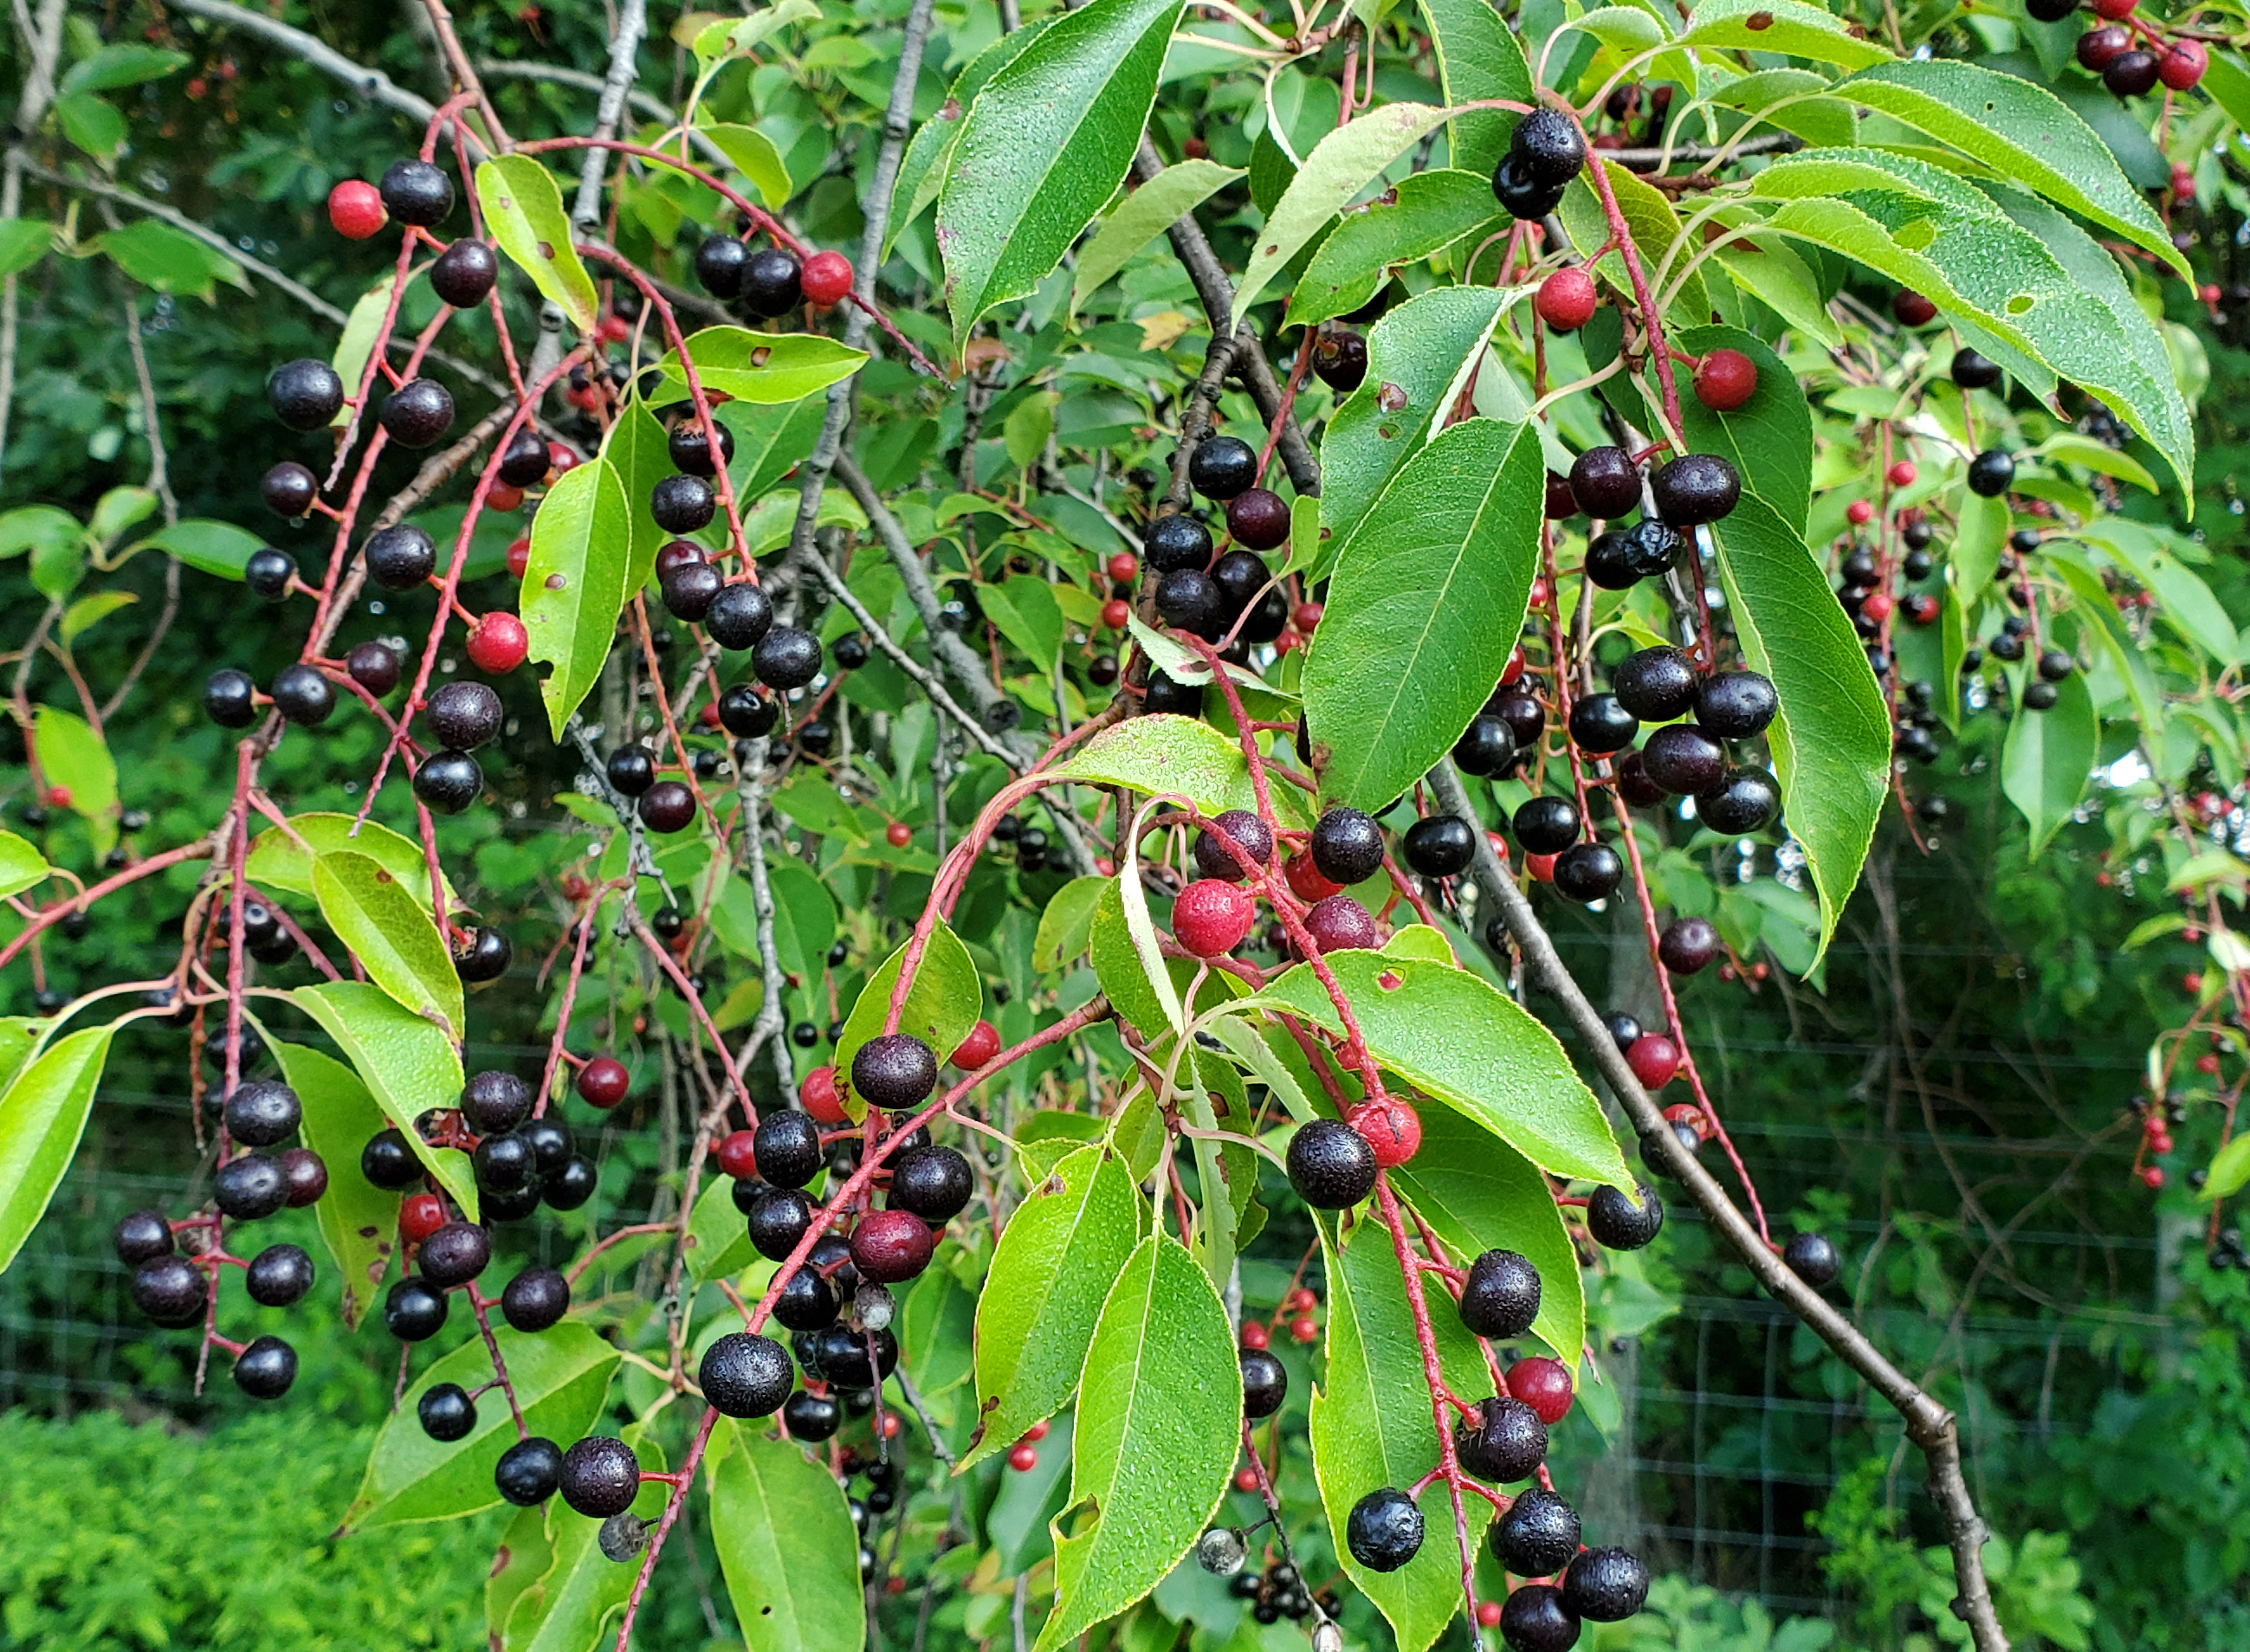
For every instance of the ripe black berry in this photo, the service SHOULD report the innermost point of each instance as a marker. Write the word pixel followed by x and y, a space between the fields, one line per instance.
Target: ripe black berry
pixel 262 1112
pixel 279 1275
pixel 1688 945
pixel 772 284
pixel 250 1188
pixel 1385 1529
pixel 1736 704
pixel 571 1185
pixel 1441 846
pixel 2037 697
pixel 1610 562
pixel 786 658
pixel 691 448
pixel 464 715
pixel 1223 466
pixel 1656 685
pixel 504 1164
pixel 1537 1535
pixel 631 770
pixel 1918 565
pixel 1330 1165
pixel 289 489
pixel 1618 1223
pixel 455 1254
pixel 600 1476
pixel 1347 846
pixel 688 591
pixel 720 262
pixel 1605 482
pixel 1534 1618
pixel 1188 601
pixel 1653 545
pixel 525 462
pixel 265 1368
pixel 388 1163
pixel 1246 832
pixel 536 1299
pixel 1500 1295
pixel 1683 760
pixel 412 1311
pixel 777 1221
pixel 416 192
pixel 1486 748
pixel 1507 1443
pixel 1546 825
pixel 895 1072
pixel 495 1101
pixel 843 1355
pixel 530 1471
pixel 306 394
pixel 1176 542
pixel 933 1183
pixel 448 781
pixel 811 1416
pixel 171 1291
pixel 1695 488
pixel 463 275
pixel 484 957
pixel 302 695
pixel 1257 517
pixel 142 1236
pixel 1521 195
pixel 1812 1259
pixel 787 1147
pixel 807 1302
pixel 2129 74
pixel 1971 370
pixel 1548 147
pixel 1991 473
pixel 2055 665
pixel 268 573
pixel 1165 695
pixel 1588 872
pixel 1600 724
pixel 447 1412
pixel 1746 801
pixel 374 666
pixel 682 504
pixel 1605 1586
pixel 746 715
pixel 1340 360
pixel 1265 1384
pixel 400 557
pixel 417 413
pixel 743 1375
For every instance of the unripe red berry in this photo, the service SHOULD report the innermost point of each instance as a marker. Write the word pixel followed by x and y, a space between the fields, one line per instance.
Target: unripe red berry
pixel 898 834
pixel 2152 1175
pixel 2180 68
pixel 825 278
pixel 1123 566
pixel 419 1216
pixel 614 329
pixel 1654 1059
pixel 1725 380
pixel 1542 868
pixel 1038 1431
pixel 1902 474
pixel 2112 10
pixel 502 498
pixel 1513 672
pixel 981 1044
pixel 1212 917
pixel 1566 299
pixel 602 1081
pixel 498 643
pixel 1912 309
pixel 1877 607
pixel 738 1154
pixel 1306 616
pixel 2207 1063
pixel 1116 612
pixel 1859 513
pixel 356 208
pixel 1301 1301
pixel 817 1093
pixel 1254 1334
pixel 1245 1480
pixel 1391 1128
pixel 560 458
pixel 1488 1613
pixel 1543 1383
pixel 1305 880
pixel 1023 1458
pixel 1304 1330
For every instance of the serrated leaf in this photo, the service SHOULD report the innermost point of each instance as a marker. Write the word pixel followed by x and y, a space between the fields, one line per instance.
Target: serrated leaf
pixel 76 760
pixel 210 547
pixel 1060 1252
pixel 1025 608
pixel 524 213
pixel 922 169
pixel 754 156
pixel 639 448
pixel 392 935
pixel 1342 164
pixel 760 366
pixel 1790 99
pixel 357 1219
pixel 942 1005
pixel 1424 214
pixel 22 865
pixel 24 242
pixel 1066 926
pixel 1143 216
pixel 1165 755
pixel 575 585
pixel 1427 598
pixel 1832 739
pixel 1781 26
pixel 560 1377
pixel 1454 1035
pixel 2048 758
pixel 1478 58
pixel 156 255
pixel 1043 148
pixel 277 863
pixel 786 1545
pixel 408 1064
pixel 1159 1417
pixel 43 1113
pixel 770 440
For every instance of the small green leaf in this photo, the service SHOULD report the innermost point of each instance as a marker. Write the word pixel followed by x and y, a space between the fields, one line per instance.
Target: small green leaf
pixel 1832 741
pixel 1425 213
pixel 1168 755
pixel 1478 58
pixel 575 585
pixel 754 156
pixel 1025 608
pixel 75 758
pixel 2230 1169
pixel 523 211
pixel 156 255
pixel 718 1244
pixel 942 1007
pixel 639 450
pixel 1158 1429
pixel 1342 164
pixel 276 861
pixel 1769 437
pixel 1980 535
pixel 786 1545
pixel 24 242
pixel 407 1064
pixel 760 367
pixel 1043 148
pixel 22 865
pixel 738 37
pixel 117 510
pixel 1427 598
pixel 94 126
pixel 210 547
pixel 1066 926
pixel 1141 217
pixel 357 1219
pixel 1781 26
pixel 1025 430
pixel 356 342
pixel 43 1113
pixel 1057 1256
pixel 31 527
pixel 560 1377
pixel 2048 758
pixel 88 612
pixel 128 63
pixel 392 935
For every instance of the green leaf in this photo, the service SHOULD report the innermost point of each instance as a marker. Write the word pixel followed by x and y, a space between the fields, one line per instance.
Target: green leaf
pixel 356 342
pixel 277 863
pixel 208 546
pixel 126 63
pixel 1066 926
pixel 1025 430
pixel 929 157
pixel 57 565
pixel 1478 58
pixel 407 1064
pixel 43 1113
pixel 718 1244
pixel 760 366
pixel 88 612
pixel 523 212
pixel 24 242
pixel 1788 99
pixel 357 1218
pixel 1478 1194
pixel 575 584
pixel 1454 1035
pixel 1159 1426
pixel 1419 357
pixel 754 156
pixel 75 758
pixel 942 1007
pixel 1980 535
pixel 1060 1252
pixel 2230 1169
pixel 1425 213
pixel 2022 131
pixel 2048 758
pixel 22 865
pixel 1784 26
pixel 1342 164
pixel 1655 226
pixel 786 1544
pixel 771 438
pixel 1124 979
pixel 1025 608
pixel 118 509
pixel 158 256
pixel 560 1377
pixel 93 125
pixel 1832 739
pixel 557 1592
pixel 1427 597
pixel 33 528
pixel 805 915
pixel 392 935
pixel 1372 1426
pixel 639 450
pixel 731 38
pixel 1167 756
pixel 1042 149
pixel 1769 437
pixel 18 1034
pixel 2185 602
pixel 1141 217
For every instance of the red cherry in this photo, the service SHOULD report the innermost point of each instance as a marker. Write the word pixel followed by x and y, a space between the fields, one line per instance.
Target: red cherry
pixel 1877 607
pixel 1305 616
pixel 1038 1431
pixel 1023 1458
pixel 1654 1059
pixel 1254 1334
pixel 2152 1176
pixel 602 1081
pixel 1902 474
pixel 1541 595
pixel 419 1216
pixel 503 497
pixel 1725 380
pixel 1566 299
pixel 1513 672
pixel 2180 68
pixel 2207 1063
pixel 825 278
pixel 1488 1613
pixel 1116 612
pixel 708 716
pixel 1304 1330
pixel 1301 1301
pixel 2161 1143
pixel 899 833
pixel 2113 11
pixel 2182 178
pixel 1305 880
pixel 1211 916
pixel 356 209
pixel 981 1044
pixel 1542 868
pixel 1391 1128
pixel 1122 567
pixel 817 1093
pixel 559 458
pixel 738 1154
pixel 614 329
pixel 1543 1383
pixel 498 642
pixel 1245 1480
pixel 1858 513
pixel 519 557
pixel 2194 983
pixel 59 796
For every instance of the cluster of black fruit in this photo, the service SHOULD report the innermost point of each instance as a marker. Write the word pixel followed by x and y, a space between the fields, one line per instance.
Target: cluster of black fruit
pixel 766 284
pixel 1280 1592
pixel 1683 493
pixel 1544 152
pixel 2052 666
pixel 1029 843
pixel 868 1507
pixel 1207 598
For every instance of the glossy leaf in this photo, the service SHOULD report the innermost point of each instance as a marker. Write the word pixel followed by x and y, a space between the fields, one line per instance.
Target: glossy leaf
pixel 1043 148
pixel 1066 926
pixel 923 168
pixel 560 1377
pixel 524 213
pixel 1769 438
pixel 88 612
pixel 1165 755
pixel 43 1113
pixel 358 1221
pixel 75 758
pixel 754 156
pixel 1424 608
pixel 575 584
pixel 156 255
pixel 942 1007
pixel 392 935
pixel 408 1064
pixel 21 864
pixel 24 242
pixel 1788 26
pixel 1831 742
pixel 1158 1429
pixel 1141 217
pixel 770 440
pixel 760 366
pixel 1425 213
pixel 1117 966
pixel 1057 1259
pixel 279 860
pixel 1454 1035
pixel 1980 535
pixel 1478 58
pixel 209 548
pixel 786 1545
pixel 1342 164
pixel 2048 758
pixel 1372 1426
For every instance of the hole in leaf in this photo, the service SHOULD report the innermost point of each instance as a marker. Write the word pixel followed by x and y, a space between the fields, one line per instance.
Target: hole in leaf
pixel 2021 303
pixel 1389 982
